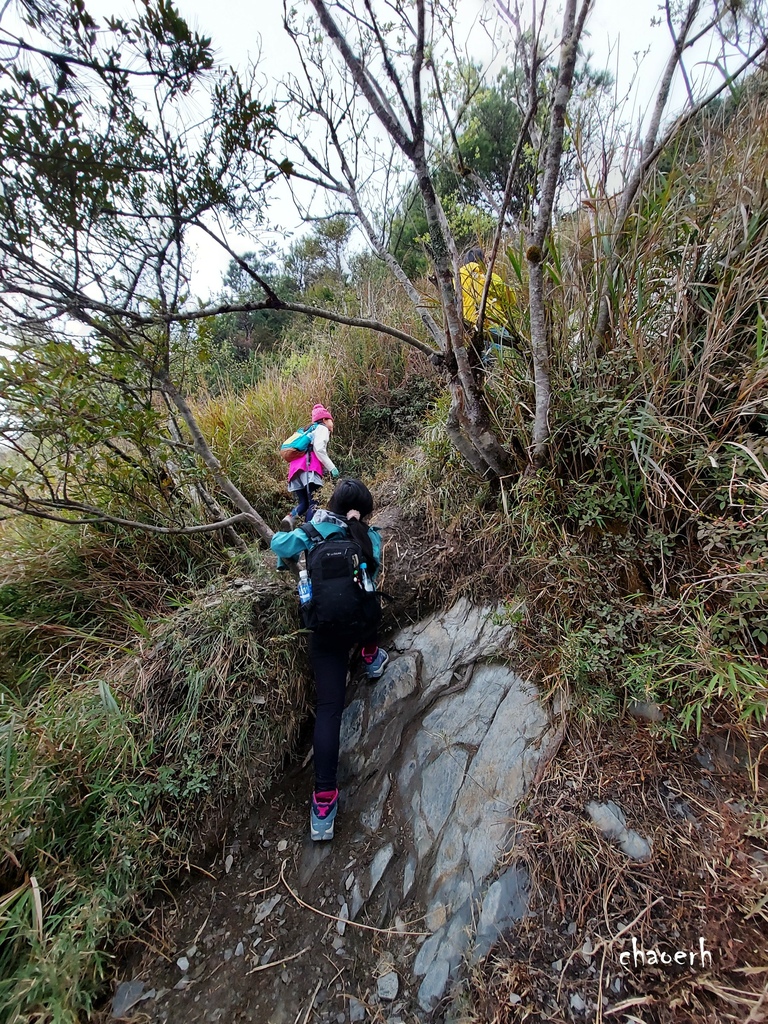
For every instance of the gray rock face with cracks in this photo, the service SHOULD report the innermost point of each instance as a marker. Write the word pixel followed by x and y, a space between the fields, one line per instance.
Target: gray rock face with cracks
pixel 441 751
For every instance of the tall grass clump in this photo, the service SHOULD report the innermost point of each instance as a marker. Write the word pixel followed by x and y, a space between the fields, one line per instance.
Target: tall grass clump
pixel 642 549
pixel 65 588
pixel 109 778
pixel 377 389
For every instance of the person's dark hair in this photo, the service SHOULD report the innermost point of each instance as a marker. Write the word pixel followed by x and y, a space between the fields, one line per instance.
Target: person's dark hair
pixel 473 255
pixel 348 494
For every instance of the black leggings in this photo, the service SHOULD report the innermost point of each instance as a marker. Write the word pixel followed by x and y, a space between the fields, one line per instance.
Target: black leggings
pixel 306 501
pixel 330 660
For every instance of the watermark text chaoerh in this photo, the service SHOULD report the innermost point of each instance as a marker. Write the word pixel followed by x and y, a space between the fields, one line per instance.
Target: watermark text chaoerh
pixel 640 957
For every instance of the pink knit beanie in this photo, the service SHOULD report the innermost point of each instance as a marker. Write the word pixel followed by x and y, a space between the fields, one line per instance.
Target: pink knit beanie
pixel 320 413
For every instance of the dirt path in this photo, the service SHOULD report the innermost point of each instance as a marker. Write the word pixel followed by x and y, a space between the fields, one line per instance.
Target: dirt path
pixel 238 946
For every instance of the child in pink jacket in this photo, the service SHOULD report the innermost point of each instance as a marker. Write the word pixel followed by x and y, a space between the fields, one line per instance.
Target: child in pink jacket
pixel 305 474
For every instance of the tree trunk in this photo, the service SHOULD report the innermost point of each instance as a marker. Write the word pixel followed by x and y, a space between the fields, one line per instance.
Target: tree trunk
pixel 212 463
pixel 572 29
pixel 541 360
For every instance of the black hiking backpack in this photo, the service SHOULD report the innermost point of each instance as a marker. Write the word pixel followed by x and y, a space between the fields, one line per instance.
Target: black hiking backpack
pixel 340 604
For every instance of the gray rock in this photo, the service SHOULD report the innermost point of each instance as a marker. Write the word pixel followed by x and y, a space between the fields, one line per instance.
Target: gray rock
pixel 341 924
pixel 182 963
pixel 387 987
pixel 433 986
pixel 440 783
pixel 357 900
pixel 265 908
pixel 465 716
pixel 127 995
pixel 452 639
pixel 379 865
pixel 409 875
pixel 577 1003
pixel 610 819
pixel 356 1011
pixel 505 902
pixel 371 817
pixel 649 712
pixel 239 949
pixel 400 682
pixel 351 728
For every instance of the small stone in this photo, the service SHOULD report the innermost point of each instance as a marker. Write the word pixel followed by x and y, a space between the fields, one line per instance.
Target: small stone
pixel 350 881
pixel 514 999
pixel 577 1003
pixel 265 908
pixel 285 977
pixel 127 995
pixel 282 846
pixel 356 1011
pixel 341 924
pixel 239 949
pixel 183 983
pixel 182 963
pixel 387 987
pixel 268 955
pixel 338 943
pixel 228 954
pixel 557 965
pixel 571 929
pixel 191 951
pixel 587 949
pixel 228 863
pixel 648 711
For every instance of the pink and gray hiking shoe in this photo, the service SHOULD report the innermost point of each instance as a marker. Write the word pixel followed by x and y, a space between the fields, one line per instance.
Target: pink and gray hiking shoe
pixel 323 814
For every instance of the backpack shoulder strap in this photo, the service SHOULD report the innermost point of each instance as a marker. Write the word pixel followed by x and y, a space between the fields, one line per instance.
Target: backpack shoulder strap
pixel 312 532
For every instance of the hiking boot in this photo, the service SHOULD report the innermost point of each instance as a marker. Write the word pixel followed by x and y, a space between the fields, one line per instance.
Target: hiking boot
pixel 375 667
pixel 323 814
pixel 287 523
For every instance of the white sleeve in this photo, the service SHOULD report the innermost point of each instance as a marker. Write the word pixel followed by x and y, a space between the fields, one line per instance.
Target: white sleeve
pixel 320 444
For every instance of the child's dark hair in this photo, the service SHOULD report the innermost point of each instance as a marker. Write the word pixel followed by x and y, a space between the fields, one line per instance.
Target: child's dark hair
pixel 349 494
pixel 473 255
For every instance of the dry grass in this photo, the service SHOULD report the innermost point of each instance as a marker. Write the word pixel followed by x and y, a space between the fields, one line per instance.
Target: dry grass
pixel 707 879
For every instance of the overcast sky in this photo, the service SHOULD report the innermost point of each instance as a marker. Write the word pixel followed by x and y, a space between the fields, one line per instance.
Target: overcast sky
pixel 617 34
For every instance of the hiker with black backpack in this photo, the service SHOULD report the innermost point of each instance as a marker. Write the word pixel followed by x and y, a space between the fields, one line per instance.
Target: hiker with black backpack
pixel 306 453
pixel 343 556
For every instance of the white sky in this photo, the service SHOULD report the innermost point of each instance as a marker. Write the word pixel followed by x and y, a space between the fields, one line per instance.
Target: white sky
pixel 242 31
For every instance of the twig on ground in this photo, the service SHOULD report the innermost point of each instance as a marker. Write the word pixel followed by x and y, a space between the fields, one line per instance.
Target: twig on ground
pixel 277 963
pixel 350 924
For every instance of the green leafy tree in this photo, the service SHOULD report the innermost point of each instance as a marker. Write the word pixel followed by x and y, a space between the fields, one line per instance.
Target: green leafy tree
pixel 107 168
pixel 243 333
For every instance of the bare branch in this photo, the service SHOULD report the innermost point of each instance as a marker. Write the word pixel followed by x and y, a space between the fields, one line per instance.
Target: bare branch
pixel 363 80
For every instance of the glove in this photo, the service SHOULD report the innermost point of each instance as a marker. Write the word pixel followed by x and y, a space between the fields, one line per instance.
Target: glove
pixel 334 473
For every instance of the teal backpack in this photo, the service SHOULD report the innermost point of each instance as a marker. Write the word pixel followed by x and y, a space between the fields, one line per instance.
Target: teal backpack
pixel 298 443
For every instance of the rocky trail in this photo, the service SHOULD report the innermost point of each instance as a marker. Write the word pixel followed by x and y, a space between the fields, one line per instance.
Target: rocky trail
pixel 375 924
pixel 425 874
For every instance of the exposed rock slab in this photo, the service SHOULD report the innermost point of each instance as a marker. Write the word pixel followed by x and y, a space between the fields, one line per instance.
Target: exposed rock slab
pixel 434 760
